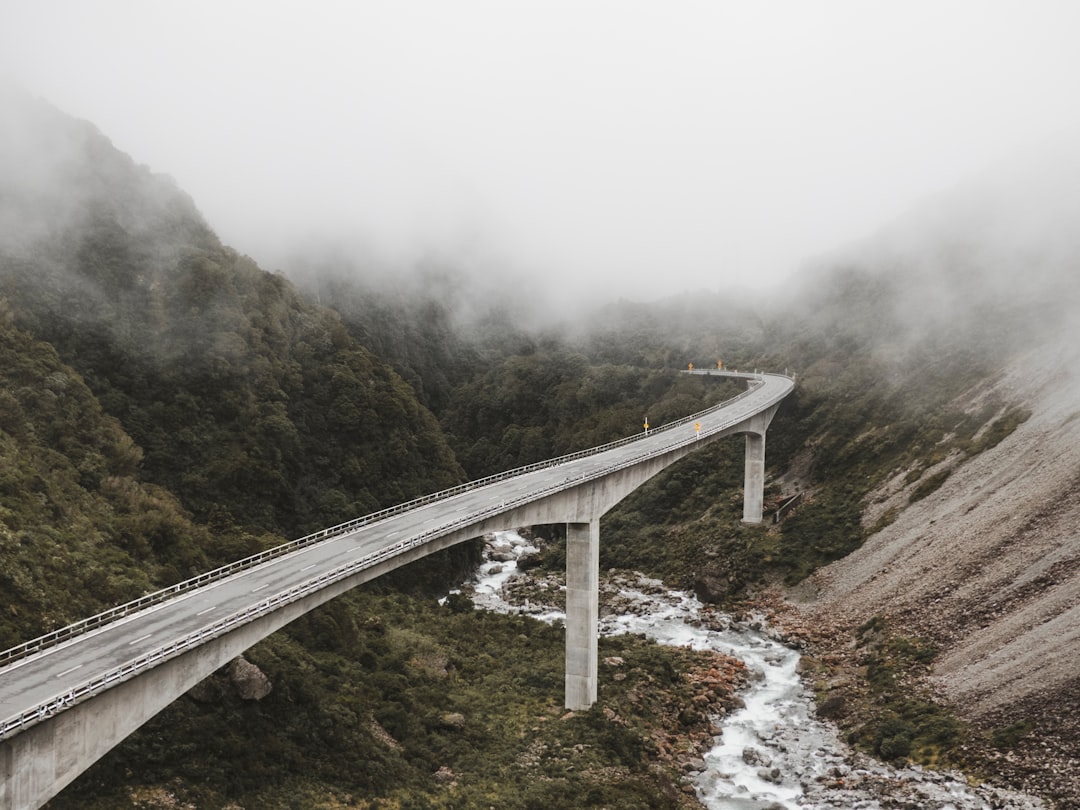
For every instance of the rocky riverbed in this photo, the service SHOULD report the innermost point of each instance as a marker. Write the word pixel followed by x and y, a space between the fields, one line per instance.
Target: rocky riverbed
pixel 772 752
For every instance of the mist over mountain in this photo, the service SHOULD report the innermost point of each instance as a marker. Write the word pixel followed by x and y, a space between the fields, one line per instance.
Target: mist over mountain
pixel 166 404
pixel 63 175
pixel 961 313
pixel 227 378
pixel 992 261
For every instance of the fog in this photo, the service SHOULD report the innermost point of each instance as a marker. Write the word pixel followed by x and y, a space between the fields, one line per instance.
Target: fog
pixel 606 149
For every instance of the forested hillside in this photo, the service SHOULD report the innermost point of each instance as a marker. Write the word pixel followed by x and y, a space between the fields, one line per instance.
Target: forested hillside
pixel 166 405
pixel 250 403
pixel 73 509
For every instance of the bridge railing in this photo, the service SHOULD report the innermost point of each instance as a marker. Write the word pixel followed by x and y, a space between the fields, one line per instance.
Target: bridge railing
pixel 127 670
pixel 90 623
pixel 58 703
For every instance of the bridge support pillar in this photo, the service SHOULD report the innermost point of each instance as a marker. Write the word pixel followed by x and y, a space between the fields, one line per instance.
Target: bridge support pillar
pixel 754 476
pixel 582 612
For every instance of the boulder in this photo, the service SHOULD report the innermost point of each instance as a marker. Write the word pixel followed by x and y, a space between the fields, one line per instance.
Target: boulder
pixel 711 588
pixel 248 680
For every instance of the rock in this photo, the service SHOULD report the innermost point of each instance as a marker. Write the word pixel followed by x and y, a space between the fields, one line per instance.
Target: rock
pixel 614 661
pixel 382 735
pixel 710 588
pixel 833 707
pixel 248 680
pixel 771 775
pixel 754 756
pixel 529 560
pixel 444 776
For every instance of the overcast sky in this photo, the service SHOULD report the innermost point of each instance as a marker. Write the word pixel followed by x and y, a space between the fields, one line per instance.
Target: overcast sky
pixel 640 147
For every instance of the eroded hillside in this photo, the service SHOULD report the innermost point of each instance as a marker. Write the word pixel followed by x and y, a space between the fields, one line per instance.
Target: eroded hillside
pixel 986 567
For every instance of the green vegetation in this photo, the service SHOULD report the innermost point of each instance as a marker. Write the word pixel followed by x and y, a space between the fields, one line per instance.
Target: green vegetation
pixel 998 429
pixel 1010 736
pixel 78 531
pixel 823 530
pixel 546 404
pixel 166 405
pixel 893 719
pixel 256 408
pixel 377 692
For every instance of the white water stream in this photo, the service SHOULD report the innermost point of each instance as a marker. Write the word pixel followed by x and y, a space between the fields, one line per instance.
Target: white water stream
pixel 773 754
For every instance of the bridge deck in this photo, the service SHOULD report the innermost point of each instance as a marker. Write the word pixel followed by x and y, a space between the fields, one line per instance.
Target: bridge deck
pixel 40 683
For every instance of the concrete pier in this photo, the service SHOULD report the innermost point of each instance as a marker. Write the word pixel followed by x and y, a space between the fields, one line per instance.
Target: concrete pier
pixel 582 612
pixel 754 473
pixel 754 478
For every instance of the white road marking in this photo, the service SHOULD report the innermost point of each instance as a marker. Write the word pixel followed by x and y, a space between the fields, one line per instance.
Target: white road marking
pixel 140 638
pixel 306 567
pixel 256 590
pixel 201 612
pixel 69 671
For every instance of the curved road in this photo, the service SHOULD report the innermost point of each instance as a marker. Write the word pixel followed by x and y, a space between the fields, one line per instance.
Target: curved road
pixel 42 682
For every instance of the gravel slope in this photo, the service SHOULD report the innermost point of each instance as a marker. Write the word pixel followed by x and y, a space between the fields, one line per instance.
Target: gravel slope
pixel 989 567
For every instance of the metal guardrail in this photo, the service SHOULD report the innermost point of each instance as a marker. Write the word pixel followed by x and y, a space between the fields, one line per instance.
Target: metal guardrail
pixel 788 504
pixel 62 634
pixel 129 669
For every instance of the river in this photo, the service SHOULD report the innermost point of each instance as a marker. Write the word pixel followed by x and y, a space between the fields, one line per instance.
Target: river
pixel 773 754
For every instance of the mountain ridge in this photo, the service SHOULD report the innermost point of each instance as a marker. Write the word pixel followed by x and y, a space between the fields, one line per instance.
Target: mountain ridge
pixel 241 412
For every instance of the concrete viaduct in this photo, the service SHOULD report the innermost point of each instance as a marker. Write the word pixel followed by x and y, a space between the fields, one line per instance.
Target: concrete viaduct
pixel 70 696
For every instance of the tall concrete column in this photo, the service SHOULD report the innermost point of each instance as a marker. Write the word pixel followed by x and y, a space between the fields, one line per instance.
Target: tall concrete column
pixel 754 479
pixel 582 612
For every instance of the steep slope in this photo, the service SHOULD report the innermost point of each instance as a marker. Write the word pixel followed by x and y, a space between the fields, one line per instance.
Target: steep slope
pixel 976 555
pixel 252 404
pixel 435 323
pixel 988 568
pixel 78 531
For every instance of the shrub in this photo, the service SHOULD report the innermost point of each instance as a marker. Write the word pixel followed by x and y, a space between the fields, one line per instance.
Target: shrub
pixel 893 739
pixel 1010 736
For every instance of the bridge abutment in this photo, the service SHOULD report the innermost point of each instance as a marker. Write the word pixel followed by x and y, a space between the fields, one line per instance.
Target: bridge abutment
pixel 582 612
